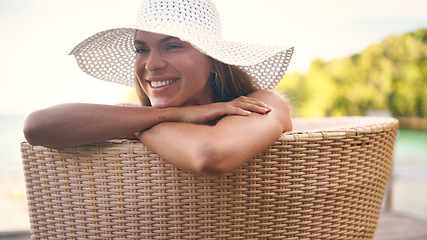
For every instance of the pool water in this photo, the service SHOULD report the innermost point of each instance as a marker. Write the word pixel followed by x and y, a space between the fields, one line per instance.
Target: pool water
pixel 409 188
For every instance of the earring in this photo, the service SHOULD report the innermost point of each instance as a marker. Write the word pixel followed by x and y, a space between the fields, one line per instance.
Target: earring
pixel 215 76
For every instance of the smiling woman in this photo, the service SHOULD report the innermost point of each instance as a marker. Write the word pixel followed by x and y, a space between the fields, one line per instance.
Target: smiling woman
pixel 196 90
pixel 217 81
pixel 165 69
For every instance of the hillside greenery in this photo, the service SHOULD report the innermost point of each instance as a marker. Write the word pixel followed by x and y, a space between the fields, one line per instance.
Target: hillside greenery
pixel 391 75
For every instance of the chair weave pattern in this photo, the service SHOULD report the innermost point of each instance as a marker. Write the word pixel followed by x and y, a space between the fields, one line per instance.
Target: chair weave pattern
pixel 326 182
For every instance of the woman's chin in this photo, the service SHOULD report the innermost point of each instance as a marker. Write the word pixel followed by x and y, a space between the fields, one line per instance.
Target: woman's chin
pixel 157 103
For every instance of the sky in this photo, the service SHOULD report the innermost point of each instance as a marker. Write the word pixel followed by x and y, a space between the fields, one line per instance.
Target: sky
pixel 35 36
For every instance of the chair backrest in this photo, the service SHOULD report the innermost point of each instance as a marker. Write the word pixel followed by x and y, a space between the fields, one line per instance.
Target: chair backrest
pixel 325 180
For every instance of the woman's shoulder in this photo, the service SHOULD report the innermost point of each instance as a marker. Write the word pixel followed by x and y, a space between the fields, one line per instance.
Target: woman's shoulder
pixel 269 97
pixel 279 104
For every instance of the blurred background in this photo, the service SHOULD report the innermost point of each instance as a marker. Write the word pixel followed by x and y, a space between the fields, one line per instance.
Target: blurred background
pixel 351 58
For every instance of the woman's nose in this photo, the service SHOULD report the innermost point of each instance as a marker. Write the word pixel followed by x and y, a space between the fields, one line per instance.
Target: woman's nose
pixel 155 61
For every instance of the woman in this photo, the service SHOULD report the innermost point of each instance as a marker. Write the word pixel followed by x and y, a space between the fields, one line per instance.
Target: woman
pixel 201 96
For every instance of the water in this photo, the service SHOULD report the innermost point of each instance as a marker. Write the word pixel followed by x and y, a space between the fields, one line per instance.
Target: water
pixel 11 133
pixel 10 138
pixel 411 147
pixel 13 208
pixel 409 190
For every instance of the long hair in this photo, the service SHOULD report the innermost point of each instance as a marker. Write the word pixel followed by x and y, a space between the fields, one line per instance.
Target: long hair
pixel 228 82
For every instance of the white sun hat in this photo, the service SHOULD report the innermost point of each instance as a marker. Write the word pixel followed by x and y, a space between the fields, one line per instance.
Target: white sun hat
pixel 110 55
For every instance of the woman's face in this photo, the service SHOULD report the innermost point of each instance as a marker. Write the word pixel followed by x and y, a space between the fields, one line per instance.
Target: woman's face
pixel 172 72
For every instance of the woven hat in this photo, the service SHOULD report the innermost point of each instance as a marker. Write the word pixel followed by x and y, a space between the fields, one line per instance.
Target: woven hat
pixel 110 55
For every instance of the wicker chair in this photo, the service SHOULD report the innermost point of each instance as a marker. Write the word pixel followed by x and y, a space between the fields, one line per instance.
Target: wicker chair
pixel 324 180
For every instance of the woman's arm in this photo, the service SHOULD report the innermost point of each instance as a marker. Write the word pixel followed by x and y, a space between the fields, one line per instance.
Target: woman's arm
pixel 225 146
pixel 74 124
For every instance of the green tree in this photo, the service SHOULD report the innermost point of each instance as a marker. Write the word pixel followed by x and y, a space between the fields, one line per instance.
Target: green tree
pixel 391 75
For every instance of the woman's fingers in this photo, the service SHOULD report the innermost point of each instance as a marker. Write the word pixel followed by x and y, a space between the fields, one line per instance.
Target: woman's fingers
pixel 251 105
pixel 242 106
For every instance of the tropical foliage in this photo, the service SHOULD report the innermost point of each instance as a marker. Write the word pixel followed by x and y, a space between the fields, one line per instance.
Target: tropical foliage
pixel 391 75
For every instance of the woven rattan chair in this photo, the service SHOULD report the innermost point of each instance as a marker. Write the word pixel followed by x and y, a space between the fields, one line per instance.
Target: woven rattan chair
pixel 324 180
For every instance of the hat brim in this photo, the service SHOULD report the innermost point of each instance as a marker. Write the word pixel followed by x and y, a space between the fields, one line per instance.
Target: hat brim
pixel 110 55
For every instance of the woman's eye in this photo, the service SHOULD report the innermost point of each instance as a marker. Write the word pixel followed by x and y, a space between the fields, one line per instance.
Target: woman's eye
pixel 173 46
pixel 141 50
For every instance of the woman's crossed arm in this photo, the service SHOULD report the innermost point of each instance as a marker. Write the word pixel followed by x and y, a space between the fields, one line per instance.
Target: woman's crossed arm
pixel 224 146
pixel 176 133
pixel 74 124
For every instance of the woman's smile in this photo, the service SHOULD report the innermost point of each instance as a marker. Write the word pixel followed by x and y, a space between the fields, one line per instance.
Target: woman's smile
pixel 159 84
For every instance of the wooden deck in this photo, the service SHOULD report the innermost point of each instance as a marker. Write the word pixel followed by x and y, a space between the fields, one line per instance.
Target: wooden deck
pixel 392 226
pixel 397 226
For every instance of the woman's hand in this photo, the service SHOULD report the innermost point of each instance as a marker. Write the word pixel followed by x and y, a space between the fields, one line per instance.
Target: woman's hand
pixel 241 106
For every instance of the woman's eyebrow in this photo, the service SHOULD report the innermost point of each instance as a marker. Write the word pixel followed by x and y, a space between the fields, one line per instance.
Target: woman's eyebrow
pixel 163 40
pixel 166 39
pixel 139 42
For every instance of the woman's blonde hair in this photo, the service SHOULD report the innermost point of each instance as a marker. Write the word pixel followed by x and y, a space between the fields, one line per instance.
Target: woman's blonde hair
pixel 228 82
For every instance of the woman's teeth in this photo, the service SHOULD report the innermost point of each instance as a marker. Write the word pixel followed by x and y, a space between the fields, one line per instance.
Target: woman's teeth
pixel 157 84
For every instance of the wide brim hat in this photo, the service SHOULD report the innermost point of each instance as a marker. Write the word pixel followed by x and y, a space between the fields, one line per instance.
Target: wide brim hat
pixel 110 55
